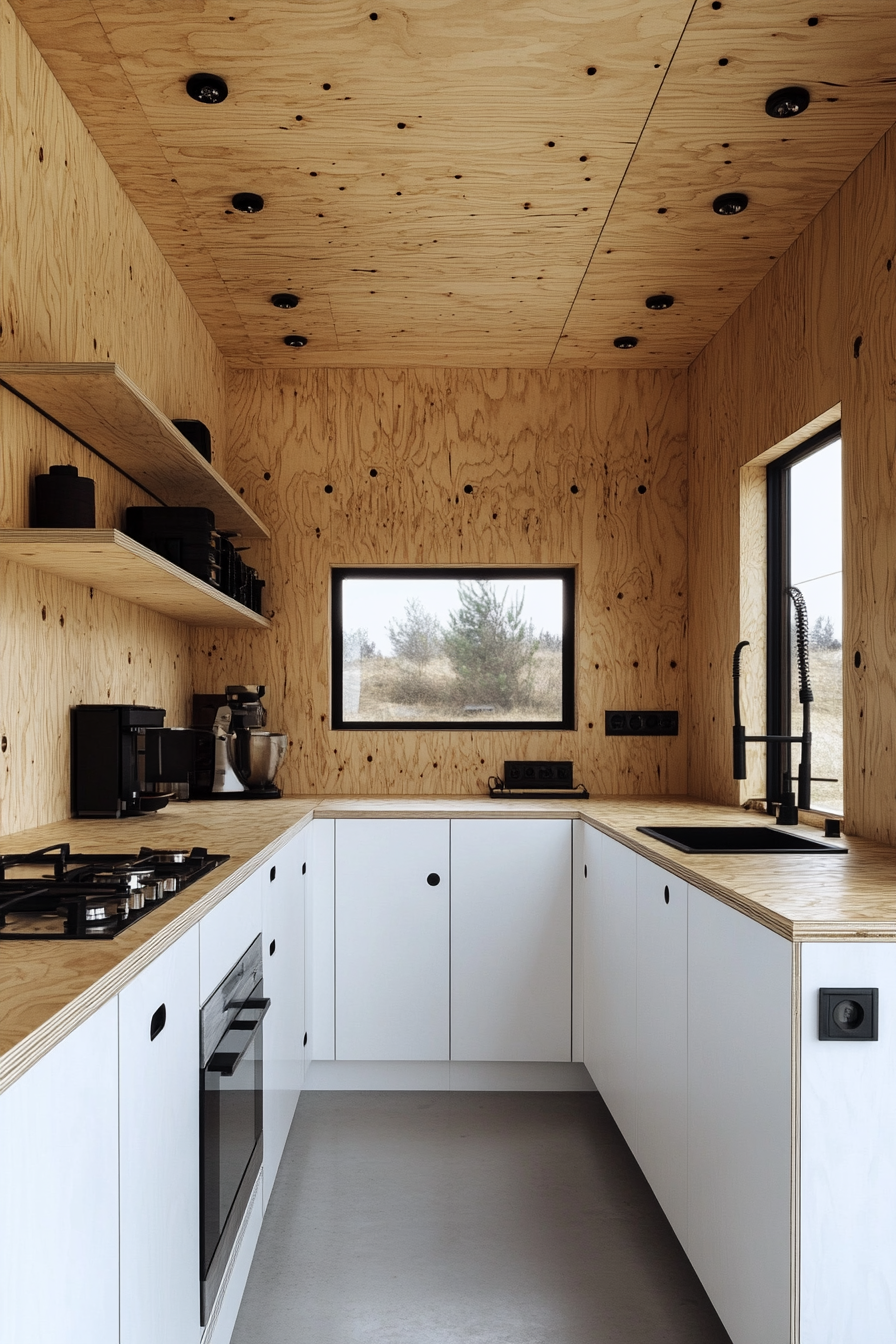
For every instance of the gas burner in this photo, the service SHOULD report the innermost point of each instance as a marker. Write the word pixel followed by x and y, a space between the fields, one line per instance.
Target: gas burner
pixel 53 893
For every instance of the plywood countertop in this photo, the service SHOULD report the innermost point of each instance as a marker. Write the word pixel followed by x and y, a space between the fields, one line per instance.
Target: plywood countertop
pixel 49 988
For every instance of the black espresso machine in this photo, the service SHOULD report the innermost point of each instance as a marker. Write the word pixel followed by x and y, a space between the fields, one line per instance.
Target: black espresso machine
pixel 125 763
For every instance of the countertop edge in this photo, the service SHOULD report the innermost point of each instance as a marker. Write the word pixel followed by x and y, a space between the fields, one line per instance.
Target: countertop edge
pixel 38 1043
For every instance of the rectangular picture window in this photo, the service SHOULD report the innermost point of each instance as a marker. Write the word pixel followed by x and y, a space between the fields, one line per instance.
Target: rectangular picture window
pixel 449 648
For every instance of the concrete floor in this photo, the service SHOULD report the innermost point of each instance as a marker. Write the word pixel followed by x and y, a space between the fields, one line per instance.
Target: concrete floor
pixel 466 1218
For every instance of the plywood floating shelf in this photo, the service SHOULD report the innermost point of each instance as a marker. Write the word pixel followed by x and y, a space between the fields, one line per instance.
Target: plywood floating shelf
pixel 99 405
pixel 114 563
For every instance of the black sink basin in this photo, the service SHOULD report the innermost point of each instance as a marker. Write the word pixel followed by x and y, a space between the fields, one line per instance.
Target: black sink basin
pixel 739 840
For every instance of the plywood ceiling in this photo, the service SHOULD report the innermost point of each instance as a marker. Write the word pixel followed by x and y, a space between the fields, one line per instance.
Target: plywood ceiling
pixel 446 183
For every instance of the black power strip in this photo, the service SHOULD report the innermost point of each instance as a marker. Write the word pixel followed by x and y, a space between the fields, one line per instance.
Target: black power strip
pixel 538 774
pixel 641 723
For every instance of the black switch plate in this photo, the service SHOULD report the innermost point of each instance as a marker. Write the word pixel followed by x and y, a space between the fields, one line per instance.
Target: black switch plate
pixel 847 1014
pixel 641 723
pixel 538 774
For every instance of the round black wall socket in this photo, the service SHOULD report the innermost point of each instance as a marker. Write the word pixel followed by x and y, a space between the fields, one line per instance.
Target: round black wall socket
pixel 789 102
pixel 284 300
pixel 205 88
pixel 730 203
pixel 658 302
pixel 295 340
pixel 625 342
pixel 248 202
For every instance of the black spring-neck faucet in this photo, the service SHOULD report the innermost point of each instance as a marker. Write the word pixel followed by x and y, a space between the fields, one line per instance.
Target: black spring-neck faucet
pixel 740 738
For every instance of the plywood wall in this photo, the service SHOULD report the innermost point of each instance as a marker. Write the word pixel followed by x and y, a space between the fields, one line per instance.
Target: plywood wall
pixel 521 439
pixel 786 358
pixel 80 279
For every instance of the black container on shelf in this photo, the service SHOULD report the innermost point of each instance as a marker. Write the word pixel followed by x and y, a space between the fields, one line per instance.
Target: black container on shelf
pixel 185 536
pixel 195 432
pixel 62 498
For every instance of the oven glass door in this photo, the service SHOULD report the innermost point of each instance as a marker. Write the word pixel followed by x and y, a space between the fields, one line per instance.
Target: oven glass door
pixel 231 1127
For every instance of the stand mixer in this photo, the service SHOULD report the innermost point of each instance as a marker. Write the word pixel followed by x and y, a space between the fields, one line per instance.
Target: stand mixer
pixel 246 755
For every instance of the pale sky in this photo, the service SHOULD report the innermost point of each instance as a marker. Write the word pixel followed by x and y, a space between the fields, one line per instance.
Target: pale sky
pixel 371 604
pixel 816 545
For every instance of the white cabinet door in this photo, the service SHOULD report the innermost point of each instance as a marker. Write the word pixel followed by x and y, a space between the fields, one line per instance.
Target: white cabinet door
pixel 847 1155
pixel 227 930
pixel 614 994
pixel 739 1118
pixel 59 1221
pixel 320 935
pixel 592 1025
pixel 392 929
pixel 511 940
pixel 579 900
pixel 283 944
pixel 661 1096
pixel 159 1128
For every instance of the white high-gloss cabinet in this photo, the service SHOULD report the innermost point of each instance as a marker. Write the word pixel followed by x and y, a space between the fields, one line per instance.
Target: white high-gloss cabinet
pixel 739 1119
pixel 159 1128
pixel 511 938
pixel 59 1225
pixel 283 952
pixel 392 929
pixel 661 1076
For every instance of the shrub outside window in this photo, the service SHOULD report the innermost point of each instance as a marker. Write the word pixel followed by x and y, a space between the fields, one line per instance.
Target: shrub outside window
pixel 453 648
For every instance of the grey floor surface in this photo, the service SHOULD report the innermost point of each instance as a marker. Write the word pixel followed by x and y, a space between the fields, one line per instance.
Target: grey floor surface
pixel 466 1218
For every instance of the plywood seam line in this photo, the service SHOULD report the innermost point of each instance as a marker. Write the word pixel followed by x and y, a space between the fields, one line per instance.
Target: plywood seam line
pixel 174 181
pixel 621 183
pixel 83 442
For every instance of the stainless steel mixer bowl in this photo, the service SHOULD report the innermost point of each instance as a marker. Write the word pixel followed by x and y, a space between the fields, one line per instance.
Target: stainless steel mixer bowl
pixel 257 756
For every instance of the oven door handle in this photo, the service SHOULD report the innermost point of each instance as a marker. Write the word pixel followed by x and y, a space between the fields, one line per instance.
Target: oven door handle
pixel 225 1061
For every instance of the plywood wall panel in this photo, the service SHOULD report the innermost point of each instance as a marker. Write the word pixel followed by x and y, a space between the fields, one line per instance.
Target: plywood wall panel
pixel 786 359
pixel 521 439
pixel 80 279
pixel 866 351
pixel 769 371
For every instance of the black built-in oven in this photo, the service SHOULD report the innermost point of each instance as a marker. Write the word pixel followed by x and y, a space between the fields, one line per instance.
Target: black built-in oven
pixel 230 1114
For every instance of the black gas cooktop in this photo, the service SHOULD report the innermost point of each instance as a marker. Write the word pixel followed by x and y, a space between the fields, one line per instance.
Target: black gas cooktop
pixel 53 893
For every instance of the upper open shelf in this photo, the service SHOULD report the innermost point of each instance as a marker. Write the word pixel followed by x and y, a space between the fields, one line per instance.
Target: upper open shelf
pixel 98 404
pixel 116 564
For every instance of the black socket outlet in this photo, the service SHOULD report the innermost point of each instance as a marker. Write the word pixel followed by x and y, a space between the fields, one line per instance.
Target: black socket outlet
pixel 641 723
pixel 847 1014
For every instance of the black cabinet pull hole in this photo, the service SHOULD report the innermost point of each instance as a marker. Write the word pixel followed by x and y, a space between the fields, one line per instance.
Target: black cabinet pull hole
pixel 273 872
pixel 305 1041
pixel 304 869
pixel 273 947
pixel 157 1021
pixel 433 879
pixel 666 895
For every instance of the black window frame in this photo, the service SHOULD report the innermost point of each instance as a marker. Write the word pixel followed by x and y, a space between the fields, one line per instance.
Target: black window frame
pixel 779 755
pixel 467 573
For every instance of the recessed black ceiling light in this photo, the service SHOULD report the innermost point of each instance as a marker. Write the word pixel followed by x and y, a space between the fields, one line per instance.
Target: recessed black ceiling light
pixel 657 302
pixel 625 342
pixel 295 341
pixel 284 300
pixel 730 203
pixel 207 88
pixel 789 102
pixel 248 202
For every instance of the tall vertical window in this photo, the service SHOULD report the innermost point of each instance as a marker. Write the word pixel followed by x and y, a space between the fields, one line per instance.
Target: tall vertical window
pixel 806 552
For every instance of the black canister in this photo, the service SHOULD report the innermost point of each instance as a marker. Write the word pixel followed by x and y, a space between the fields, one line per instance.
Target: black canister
pixel 63 499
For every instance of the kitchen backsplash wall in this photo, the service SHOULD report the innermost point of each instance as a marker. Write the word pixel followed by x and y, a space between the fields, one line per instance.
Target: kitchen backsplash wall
pixel 80 280
pixel 818 331
pixel 522 440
